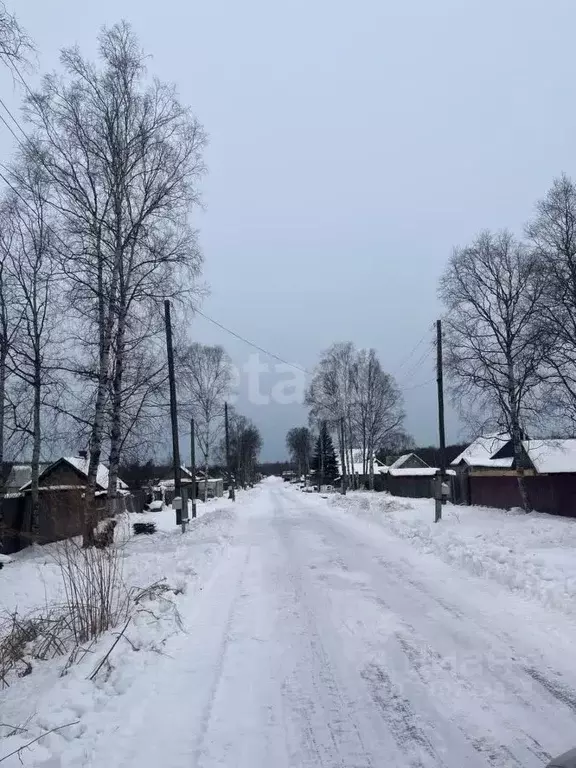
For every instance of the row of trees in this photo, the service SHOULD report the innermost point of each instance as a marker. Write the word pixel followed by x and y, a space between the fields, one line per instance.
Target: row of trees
pixel 354 399
pixel 245 447
pixel 510 324
pixel 205 377
pixel 95 233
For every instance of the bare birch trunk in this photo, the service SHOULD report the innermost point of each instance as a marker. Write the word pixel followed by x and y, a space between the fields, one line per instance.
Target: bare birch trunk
pixel 371 464
pixel 106 324
pixel 517 438
pixel 343 479
pixel 364 456
pixel 351 455
pixel 3 355
pixel 116 424
pixel 36 439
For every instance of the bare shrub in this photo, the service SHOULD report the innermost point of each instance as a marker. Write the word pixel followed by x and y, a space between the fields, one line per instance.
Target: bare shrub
pixel 96 597
pixel 35 636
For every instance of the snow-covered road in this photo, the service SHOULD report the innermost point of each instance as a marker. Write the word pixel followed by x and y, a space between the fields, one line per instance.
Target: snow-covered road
pixel 321 640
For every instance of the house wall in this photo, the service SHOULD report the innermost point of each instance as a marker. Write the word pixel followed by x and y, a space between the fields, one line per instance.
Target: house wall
pixel 60 518
pixel 11 520
pixel 61 514
pixel 554 494
pixel 409 486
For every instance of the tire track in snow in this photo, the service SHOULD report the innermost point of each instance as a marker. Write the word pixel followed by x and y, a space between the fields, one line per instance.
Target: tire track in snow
pixel 225 641
pixel 314 692
pixel 502 715
pixel 400 717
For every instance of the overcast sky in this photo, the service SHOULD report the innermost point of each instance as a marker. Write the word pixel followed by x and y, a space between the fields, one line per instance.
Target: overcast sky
pixel 352 144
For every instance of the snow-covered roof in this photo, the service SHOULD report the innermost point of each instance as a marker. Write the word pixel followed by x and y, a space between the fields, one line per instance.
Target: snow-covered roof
pixel 401 460
pixel 417 471
pixel 185 476
pixel 358 463
pixel 81 465
pixel 480 452
pixel 20 474
pixel 552 456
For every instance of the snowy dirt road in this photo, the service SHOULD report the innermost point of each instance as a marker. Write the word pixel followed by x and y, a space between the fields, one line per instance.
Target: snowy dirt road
pixel 319 641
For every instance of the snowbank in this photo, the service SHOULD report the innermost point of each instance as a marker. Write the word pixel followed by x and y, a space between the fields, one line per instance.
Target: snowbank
pixel 531 554
pixel 58 692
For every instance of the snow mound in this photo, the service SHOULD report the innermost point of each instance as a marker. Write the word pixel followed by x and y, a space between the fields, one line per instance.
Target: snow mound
pixel 532 554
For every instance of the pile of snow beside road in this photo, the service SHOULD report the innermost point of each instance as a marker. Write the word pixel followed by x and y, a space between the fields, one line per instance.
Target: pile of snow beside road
pixel 531 554
pixel 55 693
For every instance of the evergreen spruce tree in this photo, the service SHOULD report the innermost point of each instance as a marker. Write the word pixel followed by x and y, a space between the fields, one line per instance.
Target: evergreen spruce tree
pixel 325 451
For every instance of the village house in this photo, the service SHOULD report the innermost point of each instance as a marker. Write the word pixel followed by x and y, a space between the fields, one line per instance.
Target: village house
pixel 164 490
pixel 62 487
pixel 488 474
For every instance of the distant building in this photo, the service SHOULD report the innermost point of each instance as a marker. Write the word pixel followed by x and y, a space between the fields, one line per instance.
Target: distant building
pixel 409 461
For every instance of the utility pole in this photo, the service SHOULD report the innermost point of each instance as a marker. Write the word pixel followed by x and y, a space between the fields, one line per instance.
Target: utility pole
pixel 440 380
pixel 193 465
pixel 321 462
pixel 231 492
pixel 173 411
pixel 343 478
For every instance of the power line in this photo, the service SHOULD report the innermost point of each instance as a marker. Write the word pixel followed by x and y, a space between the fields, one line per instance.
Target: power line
pixel 251 343
pixel 421 360
pixel 417 386
pixel 274 356
pixel 409 355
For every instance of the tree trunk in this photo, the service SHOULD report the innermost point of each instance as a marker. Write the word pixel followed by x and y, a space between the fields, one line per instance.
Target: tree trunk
pixel 371 463
pixel 36 438
pixel 116 424
pixel 343 474
pixel 351 458
pixel 3 356
pixel 364 456
pixel 106 324
pixel 516 435
pixel 206 478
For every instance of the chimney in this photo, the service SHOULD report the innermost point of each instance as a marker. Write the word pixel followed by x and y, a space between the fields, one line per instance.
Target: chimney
pixel 83 454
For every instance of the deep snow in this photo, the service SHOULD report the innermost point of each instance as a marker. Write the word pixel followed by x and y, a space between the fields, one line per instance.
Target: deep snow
pixel 530 554
pixel 314 634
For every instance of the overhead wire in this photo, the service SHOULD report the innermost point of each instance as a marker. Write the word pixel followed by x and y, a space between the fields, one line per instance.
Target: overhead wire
pixel 251 343
pixel 409 355
pixel 236 335
pixel 418 364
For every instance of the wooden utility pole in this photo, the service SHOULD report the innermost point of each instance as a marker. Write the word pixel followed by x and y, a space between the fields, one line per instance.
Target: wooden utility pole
pixel 231 491
pixel 321 458
pixel 343 478
pixel 173 410
pixel 193 465
pixel 441 432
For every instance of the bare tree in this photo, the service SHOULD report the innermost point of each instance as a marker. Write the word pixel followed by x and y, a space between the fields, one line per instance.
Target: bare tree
pixel 245 447
pixel 299 444
pixel 15 45
pixel 10 320
pixel 124 158
pixel 330 396
pixel 377 407
pixel 26 242
pixel 205 377
pixel 553 234
pixel 492 291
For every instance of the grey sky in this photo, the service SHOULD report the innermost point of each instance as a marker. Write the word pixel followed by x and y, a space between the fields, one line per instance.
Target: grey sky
pixel 352 145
